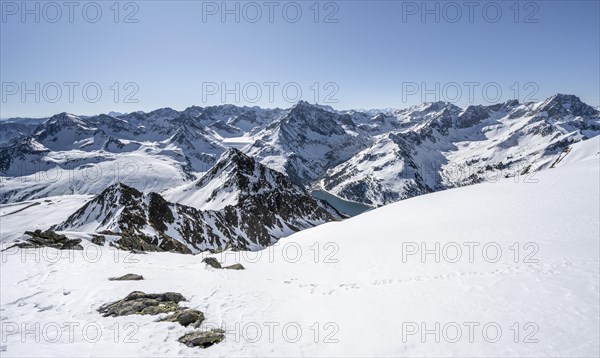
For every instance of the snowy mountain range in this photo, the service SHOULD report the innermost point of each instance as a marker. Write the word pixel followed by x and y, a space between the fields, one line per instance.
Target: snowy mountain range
pixel 249 197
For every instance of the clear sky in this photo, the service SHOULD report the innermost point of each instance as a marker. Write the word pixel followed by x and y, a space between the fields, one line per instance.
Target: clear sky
pixel 348 54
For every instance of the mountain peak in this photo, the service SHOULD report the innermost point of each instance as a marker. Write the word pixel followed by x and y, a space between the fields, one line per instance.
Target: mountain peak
pixel 301 107
pixel 564 96
pixel 512 103
pixel 235 159
pixel 438 105
pixel 302 103
pixel 166 113
pixel 566 104
pixel 64 115
pixel 305 116
pixel 306 106
pixel 117 190
pixel 234 153
pixel 64 118
pixel 119 187
pixel 233 169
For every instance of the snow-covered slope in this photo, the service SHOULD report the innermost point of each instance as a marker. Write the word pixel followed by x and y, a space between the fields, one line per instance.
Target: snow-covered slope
pixel 40 214
pixel 361 287
pixel 36 172
pixel 580 152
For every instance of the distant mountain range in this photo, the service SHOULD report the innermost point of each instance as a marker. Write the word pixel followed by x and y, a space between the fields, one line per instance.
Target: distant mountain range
pixel 248 198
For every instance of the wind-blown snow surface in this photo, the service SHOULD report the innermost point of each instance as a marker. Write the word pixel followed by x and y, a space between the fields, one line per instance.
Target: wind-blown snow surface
pixel 353 282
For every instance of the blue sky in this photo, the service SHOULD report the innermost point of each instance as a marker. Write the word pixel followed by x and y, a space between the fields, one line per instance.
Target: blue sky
pixel 348 54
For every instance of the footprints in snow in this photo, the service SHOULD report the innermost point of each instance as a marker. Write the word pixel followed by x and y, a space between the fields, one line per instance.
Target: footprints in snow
pixel 314 288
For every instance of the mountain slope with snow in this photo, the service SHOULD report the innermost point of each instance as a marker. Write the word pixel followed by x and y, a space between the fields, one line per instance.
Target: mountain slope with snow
pixel 246 206
pixel 147 222
pixel 372 158
pixel 236 178
pixel 306 142
pixel 447 147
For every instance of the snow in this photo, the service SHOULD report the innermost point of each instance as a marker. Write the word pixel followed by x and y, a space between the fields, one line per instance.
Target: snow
pixel 37 214
pixel 313 145
pixel 203 198
pixel 237 142
pixel 507 141
pixel 81 172
pixel 349 288
pixel 581 152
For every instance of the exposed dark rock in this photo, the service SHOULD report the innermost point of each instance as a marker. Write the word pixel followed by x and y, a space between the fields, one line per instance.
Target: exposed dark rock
pixel 472 116
pixel 203 339
pixel 234 267
pixel 185 317
pixel 128 277
pixel 99 239
pixel 143 303
pixel 49 238
pixel 131 241
pixel 212 262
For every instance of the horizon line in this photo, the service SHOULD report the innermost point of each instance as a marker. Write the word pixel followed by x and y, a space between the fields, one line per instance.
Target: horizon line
pixel 364 110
